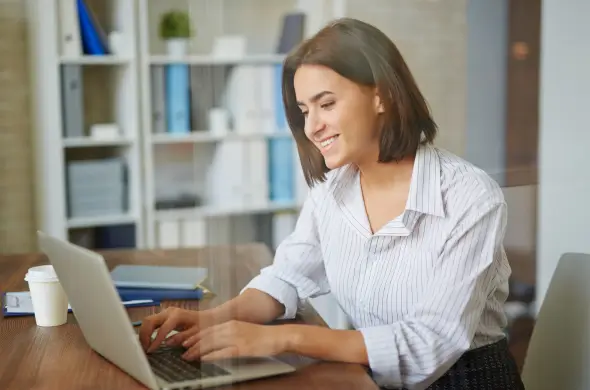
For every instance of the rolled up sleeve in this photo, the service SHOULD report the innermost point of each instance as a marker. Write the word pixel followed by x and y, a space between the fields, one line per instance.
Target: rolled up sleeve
pixel 414 352
pixel 297 272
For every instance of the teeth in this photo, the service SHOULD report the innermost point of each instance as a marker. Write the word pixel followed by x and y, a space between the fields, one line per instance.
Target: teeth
pixel 327 142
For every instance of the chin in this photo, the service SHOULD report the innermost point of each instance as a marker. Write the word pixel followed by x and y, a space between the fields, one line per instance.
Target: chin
pixel 333 162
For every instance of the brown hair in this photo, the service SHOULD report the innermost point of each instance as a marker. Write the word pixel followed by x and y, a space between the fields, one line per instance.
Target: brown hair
pixel 363 54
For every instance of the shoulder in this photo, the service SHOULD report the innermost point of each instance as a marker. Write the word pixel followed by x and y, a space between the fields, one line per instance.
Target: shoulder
pixel 466 187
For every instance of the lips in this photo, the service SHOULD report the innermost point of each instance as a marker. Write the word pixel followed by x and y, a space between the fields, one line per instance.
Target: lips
pixel 328 141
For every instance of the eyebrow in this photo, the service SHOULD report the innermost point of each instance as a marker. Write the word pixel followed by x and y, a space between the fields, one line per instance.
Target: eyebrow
pixel 316 97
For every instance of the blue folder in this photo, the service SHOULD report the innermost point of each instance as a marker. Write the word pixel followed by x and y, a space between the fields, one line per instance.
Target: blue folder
pixel 178 98
pixel 158 294
pixel 91 39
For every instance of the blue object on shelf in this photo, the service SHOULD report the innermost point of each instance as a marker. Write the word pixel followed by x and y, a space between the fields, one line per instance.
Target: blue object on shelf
pixel 280 118
pixel 91 42
pixel 281 170
pixel 178 98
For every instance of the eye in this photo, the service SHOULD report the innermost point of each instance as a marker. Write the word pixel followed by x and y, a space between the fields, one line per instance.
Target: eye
pixel 327 105
pixel 304 113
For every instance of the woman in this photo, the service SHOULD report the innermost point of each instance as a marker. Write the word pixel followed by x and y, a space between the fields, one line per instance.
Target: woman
pixel 408 237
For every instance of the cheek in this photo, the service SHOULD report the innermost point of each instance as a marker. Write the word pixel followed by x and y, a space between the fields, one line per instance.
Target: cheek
pixel 353 130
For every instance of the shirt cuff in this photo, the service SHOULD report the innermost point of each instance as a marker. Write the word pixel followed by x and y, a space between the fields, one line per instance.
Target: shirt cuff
pixel 279 290
pixel 384 362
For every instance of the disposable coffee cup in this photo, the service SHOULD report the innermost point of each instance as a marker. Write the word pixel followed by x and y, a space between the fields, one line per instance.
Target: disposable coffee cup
pixel 50 302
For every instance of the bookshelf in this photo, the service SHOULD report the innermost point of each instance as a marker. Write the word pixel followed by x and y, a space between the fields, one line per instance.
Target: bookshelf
pixel 227 173
pixel 204 179
pixel 86 123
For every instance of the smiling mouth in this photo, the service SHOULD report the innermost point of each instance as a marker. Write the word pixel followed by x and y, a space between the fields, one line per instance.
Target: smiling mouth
pixel 327 142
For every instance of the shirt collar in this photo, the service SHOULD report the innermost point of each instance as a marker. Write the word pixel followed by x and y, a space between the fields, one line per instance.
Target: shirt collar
pixel 425 194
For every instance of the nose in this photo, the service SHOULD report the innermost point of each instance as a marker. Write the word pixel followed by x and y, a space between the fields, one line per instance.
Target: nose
pixel 313 126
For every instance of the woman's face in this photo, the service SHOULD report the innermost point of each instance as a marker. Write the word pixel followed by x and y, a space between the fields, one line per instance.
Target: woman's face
pixel 341 117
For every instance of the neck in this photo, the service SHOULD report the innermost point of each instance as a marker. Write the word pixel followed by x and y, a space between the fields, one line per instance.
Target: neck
pixel 385 175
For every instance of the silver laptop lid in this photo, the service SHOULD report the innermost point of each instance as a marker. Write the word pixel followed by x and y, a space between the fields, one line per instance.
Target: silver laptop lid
pixel 95 302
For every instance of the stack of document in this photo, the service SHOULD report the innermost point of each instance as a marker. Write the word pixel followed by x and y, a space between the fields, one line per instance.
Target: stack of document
pixel 159 283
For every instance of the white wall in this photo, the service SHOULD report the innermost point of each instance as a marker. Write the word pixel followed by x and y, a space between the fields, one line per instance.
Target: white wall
pixel 487 34
pixel 564 160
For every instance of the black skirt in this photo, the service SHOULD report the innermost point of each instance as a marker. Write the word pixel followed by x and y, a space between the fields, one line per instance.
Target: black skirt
pixel 491 367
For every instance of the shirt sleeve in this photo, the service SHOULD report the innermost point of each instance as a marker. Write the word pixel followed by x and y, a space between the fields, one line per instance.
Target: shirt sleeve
pixel 414 352
pixel 297 272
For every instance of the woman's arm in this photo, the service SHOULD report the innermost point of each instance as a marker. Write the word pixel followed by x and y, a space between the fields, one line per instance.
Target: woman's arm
pixel 325 344
pixel 297 273
pixel 252 306
pixel 237 338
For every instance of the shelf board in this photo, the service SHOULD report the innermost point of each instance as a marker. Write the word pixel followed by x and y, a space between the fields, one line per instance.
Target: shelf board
pixel 95 60
pixel 211 211
pixel 211 60
pixel 82 142
pixel 205 136
pixel 84 222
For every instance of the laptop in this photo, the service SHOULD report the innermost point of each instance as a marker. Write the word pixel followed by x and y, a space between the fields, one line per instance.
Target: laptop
pixel 106 326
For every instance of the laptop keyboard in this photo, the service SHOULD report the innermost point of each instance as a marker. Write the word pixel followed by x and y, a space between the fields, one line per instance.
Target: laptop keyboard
pixel 168 364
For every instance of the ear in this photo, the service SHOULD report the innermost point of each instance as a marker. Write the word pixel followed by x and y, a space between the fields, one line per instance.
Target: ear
pixel 378 103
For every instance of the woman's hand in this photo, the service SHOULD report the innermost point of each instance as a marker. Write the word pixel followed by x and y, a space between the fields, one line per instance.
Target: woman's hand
pixel 236 338
pixel 186 322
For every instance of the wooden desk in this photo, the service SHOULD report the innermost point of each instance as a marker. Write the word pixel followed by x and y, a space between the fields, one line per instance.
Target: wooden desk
pixel 38 358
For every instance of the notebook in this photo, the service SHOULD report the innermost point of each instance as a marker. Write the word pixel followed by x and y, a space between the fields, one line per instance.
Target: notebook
pixel 19 303
pixel 159 277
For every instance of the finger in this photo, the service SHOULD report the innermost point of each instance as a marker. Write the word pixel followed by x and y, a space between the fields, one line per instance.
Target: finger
pixel 221 330
pixel 180 337
pixel 224 353
pixel 148 325
pixel 168 326
pixel 192 339
pixel 204 346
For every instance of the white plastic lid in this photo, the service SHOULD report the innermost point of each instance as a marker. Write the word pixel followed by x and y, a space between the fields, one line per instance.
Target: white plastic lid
pixel 42 273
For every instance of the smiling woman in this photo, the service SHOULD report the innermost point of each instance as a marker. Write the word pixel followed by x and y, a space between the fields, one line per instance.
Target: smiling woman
pixel 346 88
pixel 408 237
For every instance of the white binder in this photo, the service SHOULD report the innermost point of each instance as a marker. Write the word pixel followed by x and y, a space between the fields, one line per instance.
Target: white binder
pixel 71 44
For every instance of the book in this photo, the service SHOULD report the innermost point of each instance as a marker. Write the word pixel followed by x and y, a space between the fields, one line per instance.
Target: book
pixel 19 303
pixel 159 277
pixel 69 28
pixel 158 294
pixel 72 92
pixel 158 79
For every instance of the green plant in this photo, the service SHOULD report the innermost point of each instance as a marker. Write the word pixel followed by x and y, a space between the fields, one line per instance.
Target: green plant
pixel 175 24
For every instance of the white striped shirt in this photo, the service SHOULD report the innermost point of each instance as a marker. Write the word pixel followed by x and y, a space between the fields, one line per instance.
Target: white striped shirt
pixel 422 290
